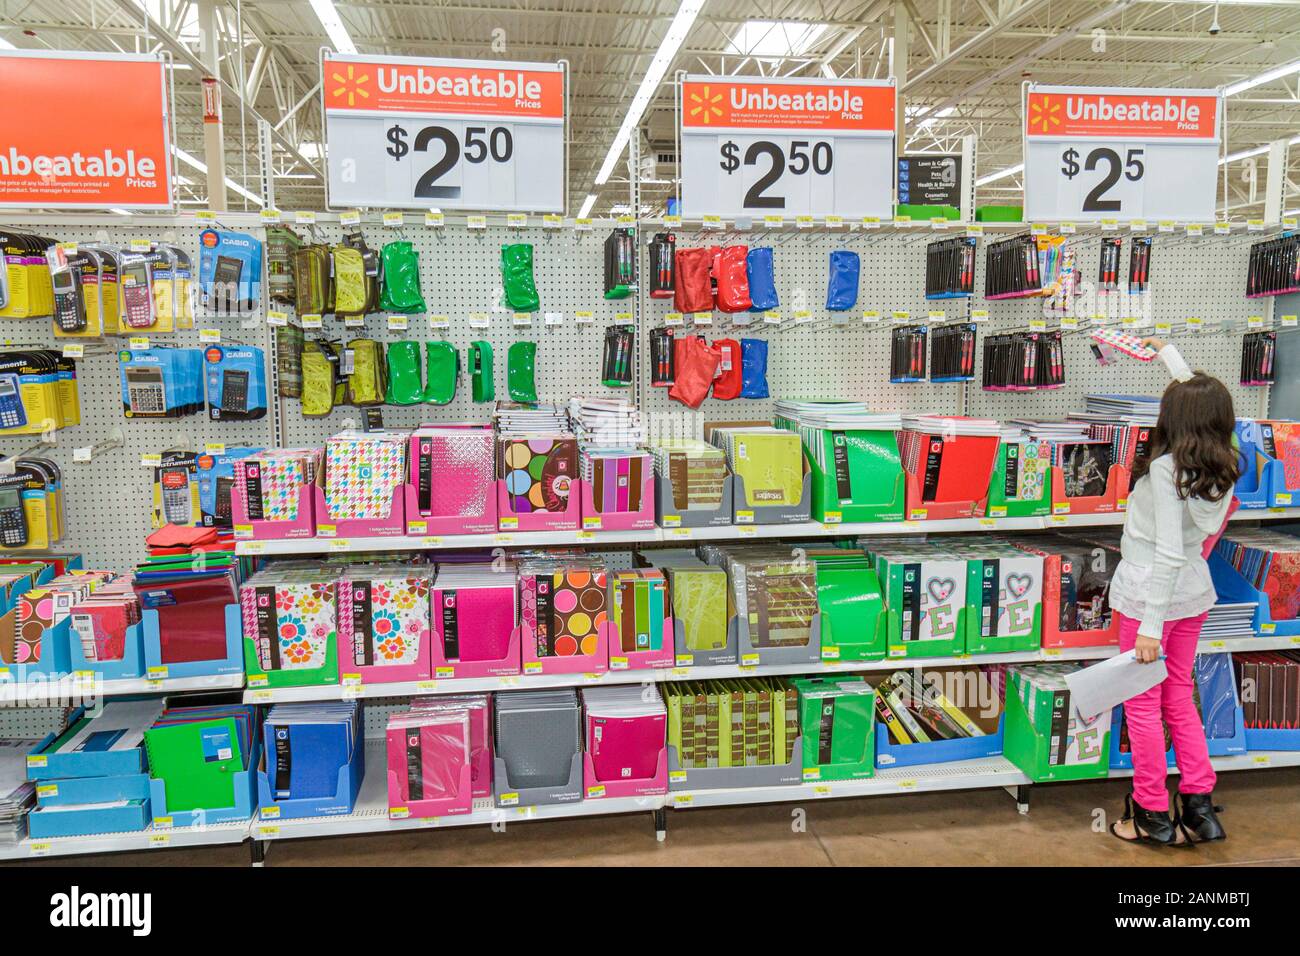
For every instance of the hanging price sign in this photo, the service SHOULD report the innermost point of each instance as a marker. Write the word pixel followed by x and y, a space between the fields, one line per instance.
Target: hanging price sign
pixel 409 132
pixel 765 147
pixel 1094 153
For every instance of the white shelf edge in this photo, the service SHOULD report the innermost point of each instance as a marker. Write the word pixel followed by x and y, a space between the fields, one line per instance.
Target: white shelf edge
pixel 225 834
pixel 67 689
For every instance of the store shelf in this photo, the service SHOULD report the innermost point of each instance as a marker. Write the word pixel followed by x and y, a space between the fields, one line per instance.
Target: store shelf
pixel 1253 760
pixel 370 814
pixel 223 834
pixel 77 690
pixel 805 529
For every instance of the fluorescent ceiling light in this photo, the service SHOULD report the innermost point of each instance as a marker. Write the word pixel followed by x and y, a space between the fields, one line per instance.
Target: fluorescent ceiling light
pixel 586 205
pixel 6 45
pixel 119 211
pixel 333 24
pixel 930 120
pixel 202 167
pixel 1001 174
pixel 672 42
pixel 1254 151
pixel 774 38
pixel 1268 76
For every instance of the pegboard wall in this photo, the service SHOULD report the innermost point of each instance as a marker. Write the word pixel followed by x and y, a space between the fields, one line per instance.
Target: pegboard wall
pixel 813 353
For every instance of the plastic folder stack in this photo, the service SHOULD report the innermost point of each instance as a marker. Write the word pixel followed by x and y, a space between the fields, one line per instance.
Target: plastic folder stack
pixel 538 734
pixel 198 750
pixel 772 590
pixel 478 709
pixel 696 471
pixel 1270 562
pixel 749 722
pixel 308 744
pixel 625 731
pixel 640 607
pixel 17 793
pixel 428 751
pixel 190 592
pixel 850 444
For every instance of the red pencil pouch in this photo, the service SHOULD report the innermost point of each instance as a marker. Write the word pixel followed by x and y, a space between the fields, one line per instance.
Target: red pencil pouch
pixel 694 291
pixel 697 363
pixel 733 279
pixel 730 369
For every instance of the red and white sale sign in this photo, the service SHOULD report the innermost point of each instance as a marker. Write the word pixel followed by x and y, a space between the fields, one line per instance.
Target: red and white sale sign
pixel 1096 153
pixel 461 134
pixel 81 130
pixel 790 147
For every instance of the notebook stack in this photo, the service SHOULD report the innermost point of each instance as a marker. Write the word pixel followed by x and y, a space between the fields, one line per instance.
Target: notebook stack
pixel 1232 619
pixel 606 421
pixel 197 753
pixel 384 612
pixel 474 617
pixel 191 593
pixel 694 471
pixel 923 584
pixel 625 741
pixel 538 736
pixel 451 468
pixel 751 722
pixel 271 485
pixel 429 772
pixel 616 477
pixel 768 465
pixel 1140 409
pixel 537 468
pixel 478 708
pixel 363 473
pixel 1270 563
pixel 290 626
pixel 698 592
pixel 515 418
pixel 91 778
pixel 838 720
pixel 1046 737
pixel 17 793
pixel 773 594
pixel 640 611
pixel 1269 685
pixel 313 753
pixel 949 462
pixel 38 609
pixel 563 606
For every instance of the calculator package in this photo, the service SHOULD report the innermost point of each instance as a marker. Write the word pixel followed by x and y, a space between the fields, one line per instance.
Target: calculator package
pixel 236 382
pixel 230 271
pixel 38 391
pixel 176 490
pixel 161 382
pixel 216 479
pixel 173 287
pixel 26 288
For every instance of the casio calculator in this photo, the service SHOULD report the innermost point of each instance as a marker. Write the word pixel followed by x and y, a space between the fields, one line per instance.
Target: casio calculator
pixel 225 284
pixel 177 502
pixel 13 520
pixel 234 391
pixel 144 390
pixel 225 487
pixel 12 413
pixel 137 292
pixel 69 306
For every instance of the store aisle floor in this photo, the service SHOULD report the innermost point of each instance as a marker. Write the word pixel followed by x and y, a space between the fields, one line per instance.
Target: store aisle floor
pixel 978 828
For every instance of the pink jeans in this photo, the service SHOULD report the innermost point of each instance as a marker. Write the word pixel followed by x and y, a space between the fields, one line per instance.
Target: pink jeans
pixel 1171 700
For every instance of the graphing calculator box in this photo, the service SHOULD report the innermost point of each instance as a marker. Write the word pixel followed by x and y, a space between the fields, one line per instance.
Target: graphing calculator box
pixel 176 490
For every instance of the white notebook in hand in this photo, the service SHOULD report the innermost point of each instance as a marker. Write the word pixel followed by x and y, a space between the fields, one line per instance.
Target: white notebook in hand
pixel 1095 690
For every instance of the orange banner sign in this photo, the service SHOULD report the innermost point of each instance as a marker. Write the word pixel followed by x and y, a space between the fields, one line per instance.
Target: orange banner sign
pixel 1147 114
pixel 845 106
pixel 84 130
pixel 391 84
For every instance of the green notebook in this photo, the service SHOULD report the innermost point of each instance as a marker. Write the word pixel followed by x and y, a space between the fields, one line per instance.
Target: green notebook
pixel 197 761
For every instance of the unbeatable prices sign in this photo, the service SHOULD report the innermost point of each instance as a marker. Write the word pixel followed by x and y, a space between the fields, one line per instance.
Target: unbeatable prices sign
pixel 1154 115
pixel 430 87
pixel 84 130
pixel 715 103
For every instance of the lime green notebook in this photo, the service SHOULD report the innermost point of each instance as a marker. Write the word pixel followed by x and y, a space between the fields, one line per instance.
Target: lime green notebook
pixel 197 761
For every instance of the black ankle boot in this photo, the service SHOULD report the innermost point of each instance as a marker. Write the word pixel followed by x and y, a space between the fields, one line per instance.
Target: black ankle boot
pixel 1198 818
pixel 1151 826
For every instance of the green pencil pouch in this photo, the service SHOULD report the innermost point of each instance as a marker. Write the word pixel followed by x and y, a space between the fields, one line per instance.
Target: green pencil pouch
pixel 401 289
pixel 442 370
pixel 517 277
pixel 350 294
pixel 367 373
pixel 480 370
pixel 521 363
pixel 319 372
pixel 405 385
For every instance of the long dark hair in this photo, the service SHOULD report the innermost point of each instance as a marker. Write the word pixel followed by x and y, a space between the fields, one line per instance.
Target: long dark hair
pixel 1195 427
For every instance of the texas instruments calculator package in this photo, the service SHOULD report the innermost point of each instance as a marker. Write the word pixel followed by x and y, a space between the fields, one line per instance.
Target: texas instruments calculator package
pixel 236 382
pixel 161 382
pixel 176 490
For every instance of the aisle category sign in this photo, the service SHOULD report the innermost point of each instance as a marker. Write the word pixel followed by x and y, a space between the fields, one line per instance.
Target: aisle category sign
pixel 413 132
pixel 1095 153
pixel 754 147
pixel 65 146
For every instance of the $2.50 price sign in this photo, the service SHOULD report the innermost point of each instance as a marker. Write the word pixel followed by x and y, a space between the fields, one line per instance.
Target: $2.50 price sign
pixel 1102 153
pixel 406 132
pixel 765 147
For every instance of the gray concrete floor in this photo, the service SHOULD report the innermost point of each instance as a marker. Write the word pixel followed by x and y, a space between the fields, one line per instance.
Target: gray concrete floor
pixel 979 828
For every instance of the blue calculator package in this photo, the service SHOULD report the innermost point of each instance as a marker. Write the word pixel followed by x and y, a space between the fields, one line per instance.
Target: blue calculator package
pixel 230 271
pixel 236 382
pixel 216 476
pixel 161 382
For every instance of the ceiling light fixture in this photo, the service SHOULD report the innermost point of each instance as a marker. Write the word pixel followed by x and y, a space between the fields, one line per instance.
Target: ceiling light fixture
pixel 586 205
pixel 333 24
pixel 195 163
pixel 1268 76
pixel 1000 174
pixel 672 42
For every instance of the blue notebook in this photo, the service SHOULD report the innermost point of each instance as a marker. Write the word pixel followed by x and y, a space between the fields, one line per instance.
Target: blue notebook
pixel 307 745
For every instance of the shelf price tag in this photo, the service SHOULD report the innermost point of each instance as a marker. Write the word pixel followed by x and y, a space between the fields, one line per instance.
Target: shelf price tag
pixel 1106 154
pixel 751 147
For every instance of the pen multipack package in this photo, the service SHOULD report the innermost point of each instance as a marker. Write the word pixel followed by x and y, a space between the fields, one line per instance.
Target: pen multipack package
pixel 1259 358
pixel 1023 361
pixel 384 623
pixel 274 493
pixel 907 353
pixel 616 360
pixel 451 487
pixel 952 352
pixel 161 382
pixel 230 271
pixel 620 263
pixel 236 382
pixel 950 268
pixel 662 356
pixel 216 479
pixel 662 263
pixel 291 627
pixel 1274 267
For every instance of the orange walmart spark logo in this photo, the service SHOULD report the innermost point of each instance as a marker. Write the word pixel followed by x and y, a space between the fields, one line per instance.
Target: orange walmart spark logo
pixel 706 107
pixel 351 85
pixel 1044 115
